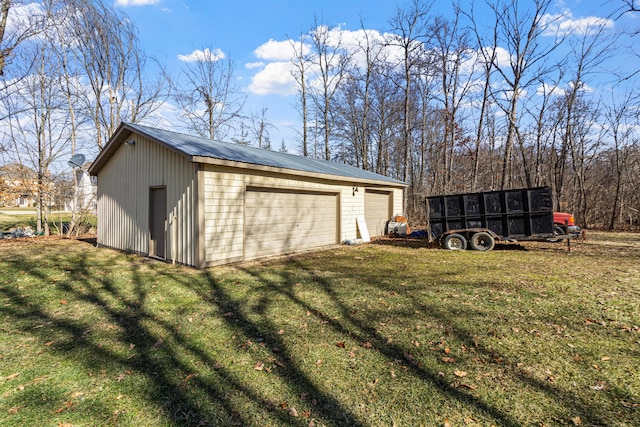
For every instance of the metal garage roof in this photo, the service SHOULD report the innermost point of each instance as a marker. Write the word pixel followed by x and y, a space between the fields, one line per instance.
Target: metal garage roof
pixel 202 147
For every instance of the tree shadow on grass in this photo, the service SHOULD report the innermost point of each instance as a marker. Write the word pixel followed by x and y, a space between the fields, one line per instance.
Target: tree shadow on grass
pixel 362 329
pixel 160 352
pixel 187 383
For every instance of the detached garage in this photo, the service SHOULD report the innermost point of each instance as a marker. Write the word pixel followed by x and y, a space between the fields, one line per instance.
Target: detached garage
pixel 199 202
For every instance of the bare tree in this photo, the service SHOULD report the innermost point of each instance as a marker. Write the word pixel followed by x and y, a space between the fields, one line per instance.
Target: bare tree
pixel 519 32
pixel 330 65
pixel 354 103
pixel 302 62
pixel 27 20
pixel 451 54
pixel 124 84
pixel 487 56
pixel 259 128
pixel 209 95
pixel 410 26
pixel 40 134
pixel 619 130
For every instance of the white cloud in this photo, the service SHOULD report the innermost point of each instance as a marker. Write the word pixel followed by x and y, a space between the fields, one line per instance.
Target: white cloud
pixel 127 3
pixel 546 89
pixel 202 55
pixel 564 24
pixel 252 65
pixel 279 50
pixel 274 78
pixel 22 17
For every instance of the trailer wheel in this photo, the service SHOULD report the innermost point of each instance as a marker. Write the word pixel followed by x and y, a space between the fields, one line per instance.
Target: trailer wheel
pixel 454 242
pixel 558 231
pixel 482 241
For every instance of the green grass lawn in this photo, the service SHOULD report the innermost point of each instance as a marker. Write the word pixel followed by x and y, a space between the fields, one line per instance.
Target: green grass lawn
pixel 375 335
pixel 12 221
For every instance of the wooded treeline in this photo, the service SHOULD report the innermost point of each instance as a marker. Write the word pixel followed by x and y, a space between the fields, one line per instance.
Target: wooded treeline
pixel 463 101
pixel 454 105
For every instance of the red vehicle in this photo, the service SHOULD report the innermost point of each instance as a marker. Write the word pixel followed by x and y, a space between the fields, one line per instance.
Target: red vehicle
pixel 564 223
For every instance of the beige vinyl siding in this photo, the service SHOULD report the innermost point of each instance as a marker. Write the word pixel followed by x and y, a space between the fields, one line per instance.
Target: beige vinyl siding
pixel 123 199
pixel 224 193
pixel 278 222
pixel 377 211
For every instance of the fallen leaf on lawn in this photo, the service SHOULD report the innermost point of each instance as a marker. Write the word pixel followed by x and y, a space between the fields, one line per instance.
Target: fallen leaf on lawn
pixel 319 362
pixel 599 386
pixel 447 350
pixel 367 345
pixel 293 412
pixel 340 344
pixel 416 343
pixel 447 423
pixel 605 358
pixel 12 376
pixel 448 359
pixel 576 421
pixel 14 410
pixel 259 366
pixel 228 314
pixel 48 344
pixel 120 377
pixel 307 413
pixel 118 397
pixel 352 354
pixel 158 343
pixel 280 331
pixel 467 386
pixel 284 405
pixel 190 376
pixel 67 405
pixel 460 374
pixel 63 302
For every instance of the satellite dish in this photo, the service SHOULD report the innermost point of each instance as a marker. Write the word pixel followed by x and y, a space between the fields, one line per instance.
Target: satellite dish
pixel 76 161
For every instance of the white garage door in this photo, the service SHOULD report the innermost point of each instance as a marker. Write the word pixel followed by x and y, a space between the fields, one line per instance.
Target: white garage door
pixel 278 222
pixel 376 211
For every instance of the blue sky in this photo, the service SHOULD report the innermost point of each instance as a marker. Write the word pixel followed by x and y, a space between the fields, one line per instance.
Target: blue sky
pixel 255 33
pixel 170 28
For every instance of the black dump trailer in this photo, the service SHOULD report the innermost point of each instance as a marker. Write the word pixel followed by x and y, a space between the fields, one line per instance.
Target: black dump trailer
pixel 481 219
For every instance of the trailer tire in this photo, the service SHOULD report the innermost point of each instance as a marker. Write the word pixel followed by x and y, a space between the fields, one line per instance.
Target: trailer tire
pixel 482 241
pixel 455 242
pixel 558 231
